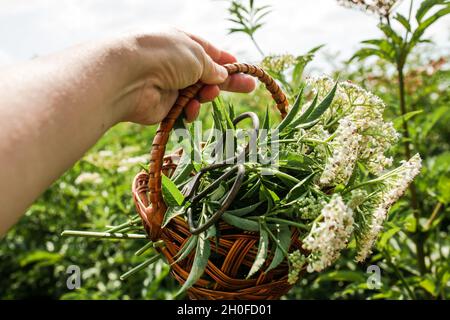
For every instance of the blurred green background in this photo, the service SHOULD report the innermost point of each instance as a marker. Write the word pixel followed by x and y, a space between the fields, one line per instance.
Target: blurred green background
pixel 412 253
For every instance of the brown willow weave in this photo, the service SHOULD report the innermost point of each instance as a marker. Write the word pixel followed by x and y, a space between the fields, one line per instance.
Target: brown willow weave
pixel 232 258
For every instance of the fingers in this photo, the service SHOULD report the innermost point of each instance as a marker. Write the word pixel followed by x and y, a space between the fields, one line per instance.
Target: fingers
pixel 239 83
pixel 213 73
pixel 217 55
pixel 191 110
pixel 235 83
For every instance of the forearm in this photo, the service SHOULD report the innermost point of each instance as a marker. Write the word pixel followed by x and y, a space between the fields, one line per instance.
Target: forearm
pixel 52 110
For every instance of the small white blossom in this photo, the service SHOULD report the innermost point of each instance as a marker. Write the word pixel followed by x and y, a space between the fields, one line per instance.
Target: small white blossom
pixel 134 160
pixel 394 186
pixel 89 177
pixel 362 135
pixel 339 167
pixel 329 236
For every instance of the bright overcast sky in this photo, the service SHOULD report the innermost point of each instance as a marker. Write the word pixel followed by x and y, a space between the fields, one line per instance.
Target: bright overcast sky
pixel 36 27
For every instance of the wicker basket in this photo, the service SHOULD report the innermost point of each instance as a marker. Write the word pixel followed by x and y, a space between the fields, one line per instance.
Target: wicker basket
pixel 224 276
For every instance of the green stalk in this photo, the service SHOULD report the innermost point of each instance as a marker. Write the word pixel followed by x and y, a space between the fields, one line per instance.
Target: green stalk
pixel 102 235
pixel 283 221
pixel 147 246
pixel 140 267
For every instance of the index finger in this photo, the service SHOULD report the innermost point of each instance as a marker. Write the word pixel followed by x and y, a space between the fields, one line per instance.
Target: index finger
pixel 219 56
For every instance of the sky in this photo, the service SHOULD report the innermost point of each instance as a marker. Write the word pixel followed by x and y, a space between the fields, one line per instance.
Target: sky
pixel 30 28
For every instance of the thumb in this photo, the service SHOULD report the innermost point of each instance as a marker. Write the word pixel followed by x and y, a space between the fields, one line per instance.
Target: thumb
pixel 213 73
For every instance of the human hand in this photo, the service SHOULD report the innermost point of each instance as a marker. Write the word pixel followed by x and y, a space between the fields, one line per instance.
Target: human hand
pixel 166 62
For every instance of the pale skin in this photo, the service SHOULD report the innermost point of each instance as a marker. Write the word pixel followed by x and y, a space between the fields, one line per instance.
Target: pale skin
pixel 54 108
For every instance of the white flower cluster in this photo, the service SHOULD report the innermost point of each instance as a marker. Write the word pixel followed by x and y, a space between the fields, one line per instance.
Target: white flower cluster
pixel 345 148
pixel 330 235
pixel 394 186
pixel 361 133
pixel 89 177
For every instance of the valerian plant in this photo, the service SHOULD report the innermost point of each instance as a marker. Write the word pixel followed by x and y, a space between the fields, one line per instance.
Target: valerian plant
pixel 401 35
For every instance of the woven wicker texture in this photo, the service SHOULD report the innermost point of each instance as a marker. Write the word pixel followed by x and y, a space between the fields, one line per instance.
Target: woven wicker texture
pixel 230 261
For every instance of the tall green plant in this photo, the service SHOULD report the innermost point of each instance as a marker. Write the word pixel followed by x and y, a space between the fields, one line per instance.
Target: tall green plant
pixel 401 34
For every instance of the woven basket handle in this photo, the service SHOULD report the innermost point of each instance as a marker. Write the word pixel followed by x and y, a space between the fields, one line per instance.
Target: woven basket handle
pixel 155 213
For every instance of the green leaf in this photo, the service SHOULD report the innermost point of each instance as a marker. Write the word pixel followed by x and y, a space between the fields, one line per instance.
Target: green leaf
pixel 297 160
pixel 40 258
pixel 218 193
pixel 266 122
pixel 387 235
pixel 431 120
pixel 172 196
pixel 364 53
pixel 342 275
pixel 398 122
pixel 201 257
pixel 429 286
pixel 171 213
pixel 410 223
pixel 425 6
pixel 184 168
pixel 307 112
pixel 262 252
pixel 292 113
pixel 423 26
pixel 400 18
pixel 443 188
pixel 190 244
pixel 298 189
pixel 252 190
pixel 323 105
pixel 283 243
pixel 390 33
pixel 245 210
pixel 241 223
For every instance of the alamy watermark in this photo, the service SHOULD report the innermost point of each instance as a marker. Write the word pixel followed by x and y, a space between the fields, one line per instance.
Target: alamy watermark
pixel 374 280
pixel 74 280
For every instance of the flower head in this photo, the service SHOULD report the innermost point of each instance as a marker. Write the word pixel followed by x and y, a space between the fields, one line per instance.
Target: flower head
pixel 329 236
pixel 89 177
pixel 394 186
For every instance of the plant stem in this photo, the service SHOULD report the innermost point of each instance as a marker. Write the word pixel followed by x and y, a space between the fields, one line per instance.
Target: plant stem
pixel 418 239
pixel 433 215
pixel 257 46
pixel 291 223
pixel 139 267
pixel 102 235
pixel 399 274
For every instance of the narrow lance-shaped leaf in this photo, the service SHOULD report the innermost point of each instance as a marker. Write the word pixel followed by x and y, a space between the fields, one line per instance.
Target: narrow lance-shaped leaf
pixel 190 244
pixel 245 210
pixel 292 113
pixel 201 257
pixel 172 196
pixel 171 213
pixel 262 252
pixel 425 6
pixel 298 189
pixel 400 18
pixel 240 223
pixel 283 242
pixel 323 105
pixel 305 115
